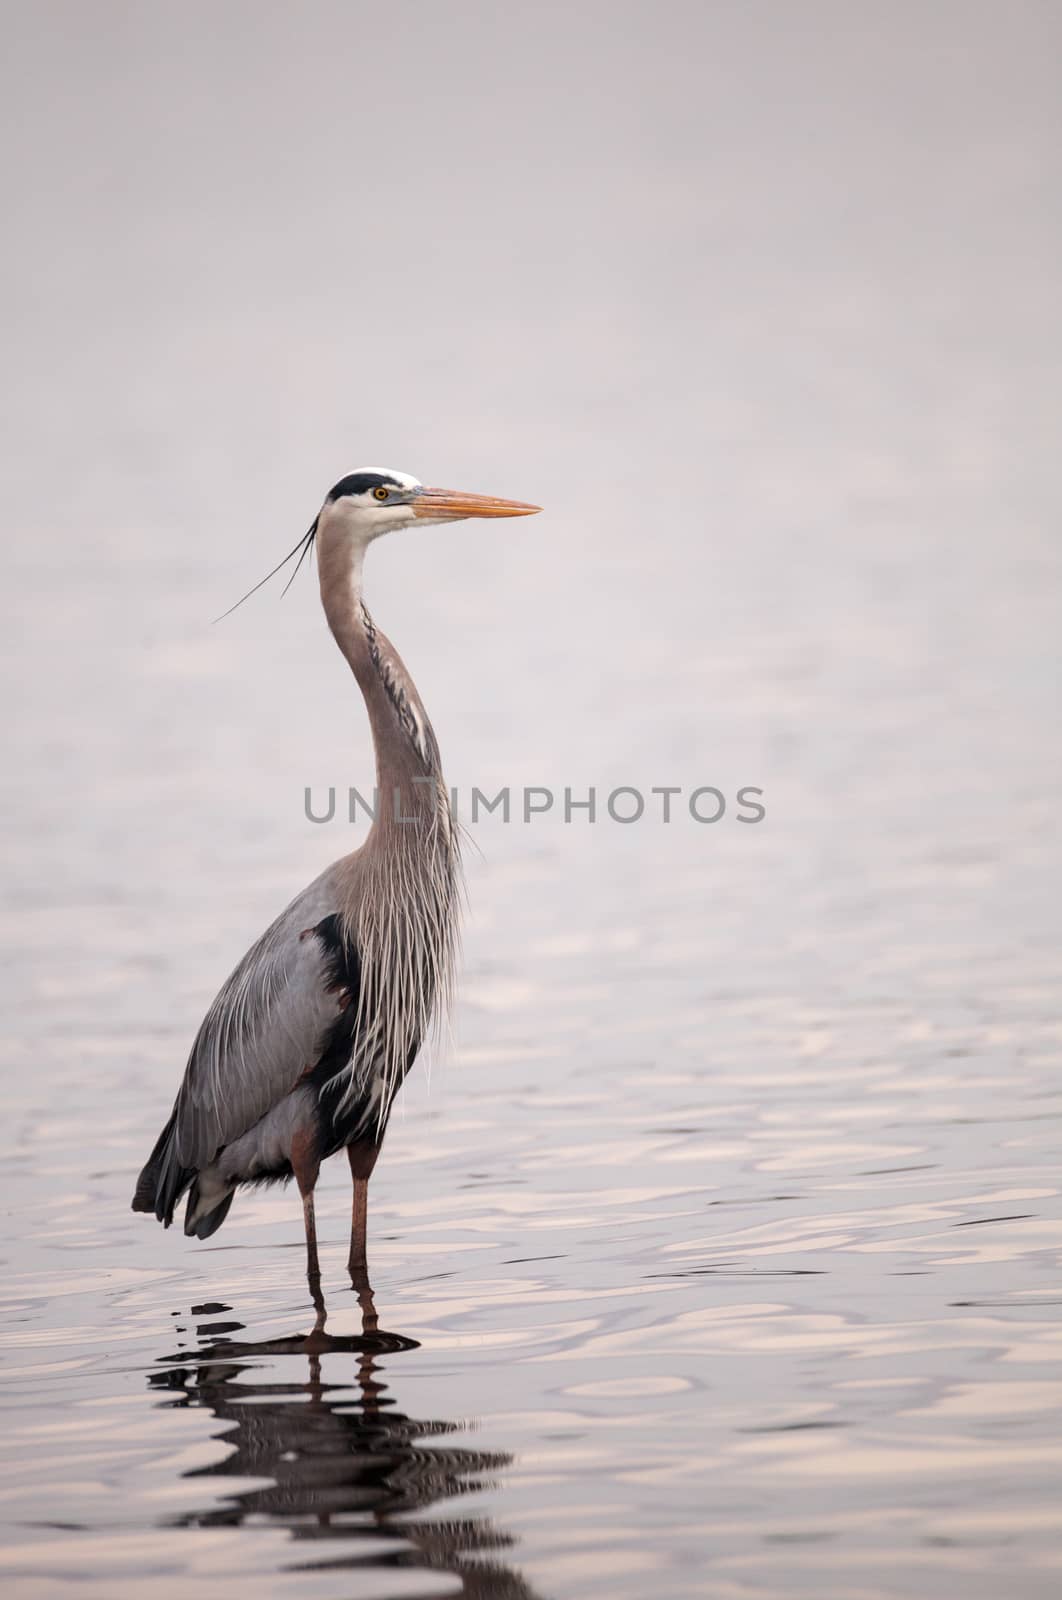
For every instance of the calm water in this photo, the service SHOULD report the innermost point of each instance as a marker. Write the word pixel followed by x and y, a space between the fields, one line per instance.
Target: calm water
pixel 720 1254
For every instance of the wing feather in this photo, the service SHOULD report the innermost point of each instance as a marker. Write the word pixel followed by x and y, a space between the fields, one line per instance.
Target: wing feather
pixel 263 1031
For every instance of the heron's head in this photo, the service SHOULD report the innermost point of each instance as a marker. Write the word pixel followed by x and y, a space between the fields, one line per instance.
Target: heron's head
pixel 365 504
pixel 375 501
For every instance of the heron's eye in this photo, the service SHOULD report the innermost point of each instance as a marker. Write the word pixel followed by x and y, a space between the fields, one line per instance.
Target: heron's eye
pixel 381 493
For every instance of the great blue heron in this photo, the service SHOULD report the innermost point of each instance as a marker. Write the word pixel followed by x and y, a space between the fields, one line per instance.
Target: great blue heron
pixel 307 1044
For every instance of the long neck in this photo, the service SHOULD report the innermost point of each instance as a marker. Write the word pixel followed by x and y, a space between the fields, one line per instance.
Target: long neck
pixel 408 765
pixel 400 894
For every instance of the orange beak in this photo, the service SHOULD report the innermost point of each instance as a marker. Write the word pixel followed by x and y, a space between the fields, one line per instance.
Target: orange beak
pixel 450 504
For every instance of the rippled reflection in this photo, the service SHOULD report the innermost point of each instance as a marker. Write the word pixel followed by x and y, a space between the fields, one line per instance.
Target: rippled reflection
pixel 341 1466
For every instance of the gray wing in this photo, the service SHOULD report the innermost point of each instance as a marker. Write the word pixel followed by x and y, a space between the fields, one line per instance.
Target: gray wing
pixel 262 1032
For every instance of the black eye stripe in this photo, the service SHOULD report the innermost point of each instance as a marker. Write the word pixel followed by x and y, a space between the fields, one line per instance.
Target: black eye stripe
pixel 362 483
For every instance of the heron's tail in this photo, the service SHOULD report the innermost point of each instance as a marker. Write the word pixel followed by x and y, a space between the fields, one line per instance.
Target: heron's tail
pixel 146 1184
pixel 163 1180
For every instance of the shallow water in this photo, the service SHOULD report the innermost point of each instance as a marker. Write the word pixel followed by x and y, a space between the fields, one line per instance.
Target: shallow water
pixel 719 1256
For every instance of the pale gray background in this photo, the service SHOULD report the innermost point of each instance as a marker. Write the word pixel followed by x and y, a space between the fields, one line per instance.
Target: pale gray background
pixel 760 301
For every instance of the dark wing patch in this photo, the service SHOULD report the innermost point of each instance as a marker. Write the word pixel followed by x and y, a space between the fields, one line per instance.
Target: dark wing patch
pixel 341 959
pixel 343 980
pixel 328 1075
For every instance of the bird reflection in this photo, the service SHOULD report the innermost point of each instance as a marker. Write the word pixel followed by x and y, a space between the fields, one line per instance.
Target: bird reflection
pixel 340 1465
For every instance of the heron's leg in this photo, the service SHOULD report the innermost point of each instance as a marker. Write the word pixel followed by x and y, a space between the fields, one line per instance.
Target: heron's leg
pixel 306 1164
pixel 357 1263
pixel 362 1160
